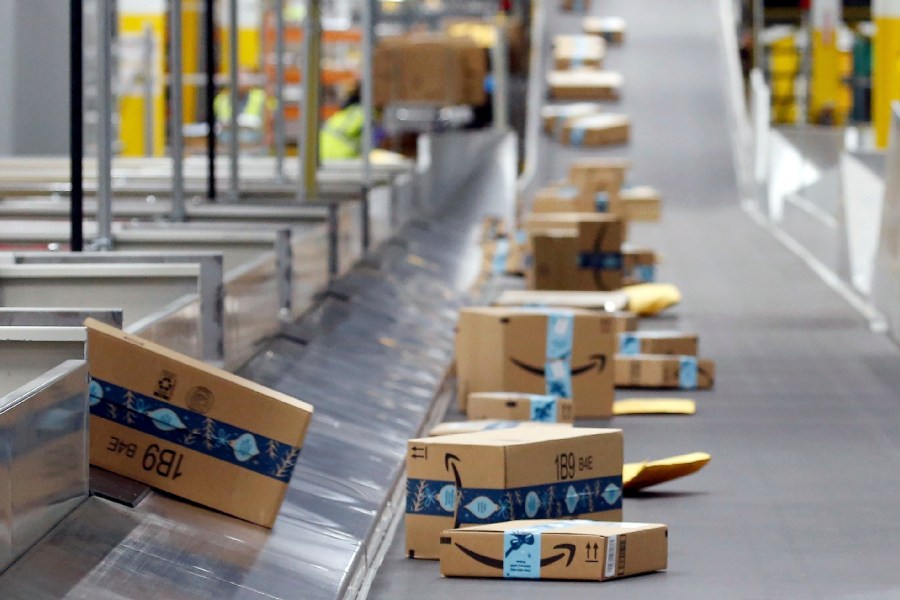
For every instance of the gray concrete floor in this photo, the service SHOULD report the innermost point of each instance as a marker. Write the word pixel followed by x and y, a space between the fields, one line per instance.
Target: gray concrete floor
pixel 800 499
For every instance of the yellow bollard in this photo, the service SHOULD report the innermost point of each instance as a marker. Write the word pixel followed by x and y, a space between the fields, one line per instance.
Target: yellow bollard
pixel 885 60
pixel 825 82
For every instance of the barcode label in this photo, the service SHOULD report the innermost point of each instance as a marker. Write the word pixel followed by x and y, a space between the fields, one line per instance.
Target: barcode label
pixel 612 549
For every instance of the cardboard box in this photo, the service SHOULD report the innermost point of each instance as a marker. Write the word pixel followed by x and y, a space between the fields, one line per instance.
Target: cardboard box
pixel 514 406
pixel 454 427
pixel 579 550
pixel 554 115
pixel 639 265
pixel 578 51
pixel 641 203
pixel 566 352
pixel 596 130
pixel 605 301
pixel 585 84
pixel 523 473
pixel 668 372
pixel 658 342
pixel 575 251
pixel 611 29
pixel 578 6
pixel 190 429
pixel 560 199
pixel 599 172
pixel 505 256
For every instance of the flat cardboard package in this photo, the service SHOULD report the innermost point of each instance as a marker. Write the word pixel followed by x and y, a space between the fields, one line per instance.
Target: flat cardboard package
pixel 596 130
pixel 580 550
pixel 523 473
pixel 190 429
pixel 641 203
pixel 611 29
pixel 515 406
pixel 575 251
pixel 566 352
pixel 664 371
pixel 585 84
pixel 578 51
pixel 658 342
pixel 554 115
pixel 638 265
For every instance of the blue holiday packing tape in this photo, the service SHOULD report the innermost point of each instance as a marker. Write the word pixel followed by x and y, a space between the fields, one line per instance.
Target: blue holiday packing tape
pixel 576 136
pixel 687 372
pixel 544 409
pixel 193 431
pixel 629 343
pixel 558 366
pixel 501 253
pixel 600 261
pixel 568 192
pixel 601 202
pixel 522 548
pixel 644 273
pixel 482 506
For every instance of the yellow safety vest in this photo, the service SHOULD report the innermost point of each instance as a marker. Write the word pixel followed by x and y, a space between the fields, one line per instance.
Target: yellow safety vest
pixel 341 135
pixel 255 105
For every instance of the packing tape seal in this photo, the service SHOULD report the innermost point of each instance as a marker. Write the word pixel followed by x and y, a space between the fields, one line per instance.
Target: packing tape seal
pixel 629 343
pixel 544 409
pixel 568 192
pixel 522 548
pixel 644 273
pixel 687 372
pixel 601 202
pixel 501 253
pixel 576 136
pixel 192 430
pixel 601 261
pixel 558 368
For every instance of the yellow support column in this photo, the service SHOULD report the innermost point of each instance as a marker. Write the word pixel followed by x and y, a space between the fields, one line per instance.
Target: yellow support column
pixel 784 65
pixel 885 66
pixel 135 18
pixel 825 82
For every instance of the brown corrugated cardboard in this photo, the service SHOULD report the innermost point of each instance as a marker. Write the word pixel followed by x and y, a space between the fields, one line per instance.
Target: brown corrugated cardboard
pixel 575 251
pixel 493 476
pixel 190 429
pixel 578 51
pixel 504 256
pixel 579 550
pixel 585 84
pixel 659 342
pixel 641 203
pixel 507 348
pixel 638 265
pixel 562 198
pixel 515 406
pixel 611 29
pixel 553 115
pixel 454 427
pixel 670 372
pixel 578 6
pixel 596 130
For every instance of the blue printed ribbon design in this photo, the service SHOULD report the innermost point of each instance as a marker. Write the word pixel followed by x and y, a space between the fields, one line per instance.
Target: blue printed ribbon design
pixel 558 368
pixel 629 343
pixel 576 137
pixel 600 261
pixel 543 408
pixel 522 548
pixel 485 506
pixel 687 372
pixel 194 431
pixel 601 202
pixel 498 265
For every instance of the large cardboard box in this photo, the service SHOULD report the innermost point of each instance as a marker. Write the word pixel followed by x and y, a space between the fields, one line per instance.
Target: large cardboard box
pixel 190 429
pixel 566 352
pixel 581 550
pixel 578 51
pixel 638 265
pixel 611 29
pixel 575 251
pixel 658 342
pixel 514 406
pixel 585 84
pixel 666 372
pixel 554 115
pixel 596 130
pixel 641 203
pixel 548 472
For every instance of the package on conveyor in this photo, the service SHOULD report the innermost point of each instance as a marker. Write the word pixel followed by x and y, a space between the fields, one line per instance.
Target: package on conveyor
pixel 578 51
pixel 664 371
pixel 554 115
pixel 638 265
pixel 516 406
pixel 640 203
pixel 485 36
pixel 658 342
pixel 577 6
pixel 575 251
pixel 429 68
pixel 611 29
pixel 596 130
pixel 521 473
pixel 578 550
pixel 454 427
pixel 568 198
pixel 565 352
pixel 612 303
pixel 585 84
pixel 505 255
pixel 190 429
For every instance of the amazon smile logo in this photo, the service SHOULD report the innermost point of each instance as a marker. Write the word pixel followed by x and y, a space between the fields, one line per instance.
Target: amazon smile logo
pixel 597 361
pixel 567 553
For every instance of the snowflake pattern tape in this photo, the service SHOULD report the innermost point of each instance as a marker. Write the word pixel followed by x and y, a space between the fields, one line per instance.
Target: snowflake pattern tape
pixel 484 506
pixel 601 261
pixel 194 431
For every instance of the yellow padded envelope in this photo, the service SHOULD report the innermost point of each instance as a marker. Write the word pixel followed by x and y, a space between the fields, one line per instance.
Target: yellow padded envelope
pixel 654 406
pixel 648 299
pixel 637 476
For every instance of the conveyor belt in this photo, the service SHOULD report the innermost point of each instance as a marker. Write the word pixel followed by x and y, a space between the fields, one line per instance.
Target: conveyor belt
pixel 800 498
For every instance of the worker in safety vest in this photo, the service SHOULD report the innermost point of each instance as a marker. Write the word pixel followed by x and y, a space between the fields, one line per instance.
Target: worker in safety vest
pixel 252 105
pixel 341 135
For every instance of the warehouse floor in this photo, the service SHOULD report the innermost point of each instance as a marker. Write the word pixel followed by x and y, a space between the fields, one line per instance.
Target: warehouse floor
pixel 800 499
